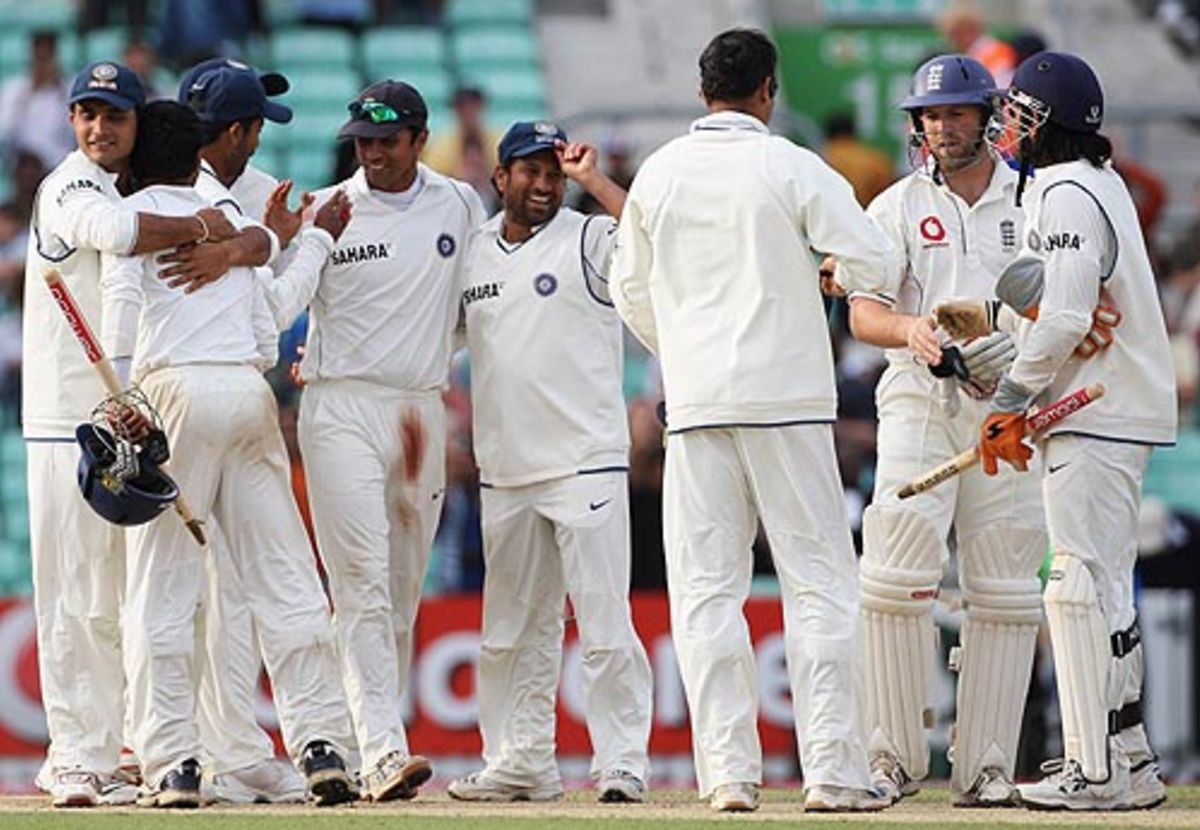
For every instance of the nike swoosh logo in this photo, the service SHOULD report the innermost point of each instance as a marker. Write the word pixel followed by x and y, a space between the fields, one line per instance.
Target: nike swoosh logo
pixel 1055 469
pixel 596 505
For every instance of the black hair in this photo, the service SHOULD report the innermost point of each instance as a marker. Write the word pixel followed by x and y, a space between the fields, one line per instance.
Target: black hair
pixel 840 124
pixel 1055 144
pixel 212 130
pixel 168 143
pixel 735 64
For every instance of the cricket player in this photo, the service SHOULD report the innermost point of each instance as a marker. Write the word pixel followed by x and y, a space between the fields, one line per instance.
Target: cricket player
pixel 552 443
pixel 198 358
pixel 714 273
pixel 78 559
pixel 1080 222
pixel 384 303
pixel 955 220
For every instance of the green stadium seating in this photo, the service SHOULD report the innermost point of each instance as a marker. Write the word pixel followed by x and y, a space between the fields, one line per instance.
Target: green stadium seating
pixel 434 84
pixel 272 160
pixel 104 44
pixel 384 49
pixel 312 46
pixel 37 14
pixel 1174 472
pixel 280 12
pixel 503 46
pixel 315 127
pixel 311 168
pixel 14 53
pixel 509 88
pixel 501 117
pixel 461 13
pixel 329 87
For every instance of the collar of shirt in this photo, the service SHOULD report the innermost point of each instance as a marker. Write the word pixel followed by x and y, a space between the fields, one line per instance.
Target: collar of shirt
pixel 429 178
pixel 729 120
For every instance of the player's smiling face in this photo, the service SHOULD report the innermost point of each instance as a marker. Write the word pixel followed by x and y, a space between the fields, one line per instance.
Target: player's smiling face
pixel 390 163
pixel 532 188
pixel 953 132
pixel 105 134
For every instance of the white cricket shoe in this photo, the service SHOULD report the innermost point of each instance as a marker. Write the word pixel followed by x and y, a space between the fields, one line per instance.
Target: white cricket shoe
pixel 397 776
pixel 889 777
pixel 117 791
pixel 617 785
pixel 1146 787
pixel 479 786
pixel 829 798
pixel 1066 788
pixel 741 797
pixel 274 781
pixel 75 788
pixel 991 788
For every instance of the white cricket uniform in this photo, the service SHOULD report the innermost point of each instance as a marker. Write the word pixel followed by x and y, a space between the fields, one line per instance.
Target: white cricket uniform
pixel 228 690
pixel 1082 222
pixel 380 325
pixel 952 250
pixel 198 361
pixel 714 273
pixel 78 558
pixel 552 443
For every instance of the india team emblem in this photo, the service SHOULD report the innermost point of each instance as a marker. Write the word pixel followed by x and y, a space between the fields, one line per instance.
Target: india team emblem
pixel 104 72
pixel 446 245
pixel 545 284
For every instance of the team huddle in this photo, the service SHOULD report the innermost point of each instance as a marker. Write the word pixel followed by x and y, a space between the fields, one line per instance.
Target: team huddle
pixel 190 263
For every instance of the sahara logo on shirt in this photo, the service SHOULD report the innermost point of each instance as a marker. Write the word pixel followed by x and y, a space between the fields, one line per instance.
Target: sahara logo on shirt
pixel 77 186
pixel 360 253
pixel 482 291
pixel 1062 241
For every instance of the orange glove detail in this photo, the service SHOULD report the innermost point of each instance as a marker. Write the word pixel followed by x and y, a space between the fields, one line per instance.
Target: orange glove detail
pixel 1001 436
pixel 1105 318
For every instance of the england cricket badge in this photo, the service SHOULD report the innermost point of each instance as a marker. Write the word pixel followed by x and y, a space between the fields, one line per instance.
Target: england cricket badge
pixel 545 284
pixel 446 245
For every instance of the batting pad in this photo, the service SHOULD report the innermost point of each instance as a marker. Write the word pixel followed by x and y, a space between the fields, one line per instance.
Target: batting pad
pixel 1002 594
pixel 1082 664
pixel 899 576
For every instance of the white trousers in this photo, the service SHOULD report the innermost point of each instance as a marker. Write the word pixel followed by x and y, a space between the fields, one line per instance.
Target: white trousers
pixel 230 462
pixel 375 531
pixel 716 482
pixel 542 544
pixel 78 580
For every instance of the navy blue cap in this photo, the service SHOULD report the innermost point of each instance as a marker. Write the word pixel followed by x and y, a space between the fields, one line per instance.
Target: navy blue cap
pixel 233 93
pixel 525 138
pixel 385 108
pixel 109 82
pixel 273 83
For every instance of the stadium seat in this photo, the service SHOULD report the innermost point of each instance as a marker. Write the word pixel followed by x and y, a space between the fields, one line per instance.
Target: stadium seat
pixel 501 117
pixel 272 159
pixel 435 85
pixel 328 87
pixel 503 46
pixel 312 46
pixel 14 53
pixel 315 127
pixel 280 12
pixel 37 14
pixel 104 44
pixel 385 49
pixel 311 168
pixel 460 13
pixel 515 88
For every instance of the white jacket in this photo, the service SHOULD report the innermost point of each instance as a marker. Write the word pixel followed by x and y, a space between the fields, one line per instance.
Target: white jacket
pixel 715 272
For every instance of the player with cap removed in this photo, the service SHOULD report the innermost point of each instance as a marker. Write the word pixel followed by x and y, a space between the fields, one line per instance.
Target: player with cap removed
pixel 198 360
pixel 956 223
pixel 78 559
pixel 552 442
pixel 1082 227
pixel 372 423
pixel 714 273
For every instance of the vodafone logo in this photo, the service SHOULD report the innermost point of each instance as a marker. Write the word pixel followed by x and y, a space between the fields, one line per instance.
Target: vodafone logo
pixel 932 229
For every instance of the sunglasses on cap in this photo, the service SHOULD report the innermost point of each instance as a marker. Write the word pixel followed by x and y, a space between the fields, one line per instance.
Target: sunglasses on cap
pixel 377 112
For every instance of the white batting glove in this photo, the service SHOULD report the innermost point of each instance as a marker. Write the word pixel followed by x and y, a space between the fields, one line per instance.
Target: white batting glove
pixel 987 359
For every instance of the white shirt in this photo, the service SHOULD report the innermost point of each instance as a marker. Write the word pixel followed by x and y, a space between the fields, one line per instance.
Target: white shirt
pixel 162 326
pixel 714 272
pixel 546 352
pixel 1082 222
pixel 951 250
pixel 76 214
pixel 386 300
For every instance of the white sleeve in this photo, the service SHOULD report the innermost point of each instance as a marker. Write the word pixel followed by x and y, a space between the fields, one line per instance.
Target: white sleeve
pixel 76 212
pixel 266 333
pixel 1076 242
pixel 121 300
pixel 290 293
pixel 886 210
pixel 837 225
pixel 596 245
pixel 629 275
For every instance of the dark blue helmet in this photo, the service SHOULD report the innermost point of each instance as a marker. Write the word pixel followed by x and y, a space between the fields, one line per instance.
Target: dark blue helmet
pixel 1059 88
pixel 951 79
pixel 133 501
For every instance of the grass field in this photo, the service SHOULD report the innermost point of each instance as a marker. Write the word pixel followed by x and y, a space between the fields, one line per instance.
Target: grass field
pixel 666 810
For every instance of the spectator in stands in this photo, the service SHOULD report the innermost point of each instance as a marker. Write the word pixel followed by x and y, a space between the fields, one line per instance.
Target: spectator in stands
pixel 32 106
pixel 190 32
pixel 1027 42
pixel 94 14
pixel 1147 189
pixel 27 172
pixel 963 26
pixel 468 151
pixel 143 60
pixel 868 170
